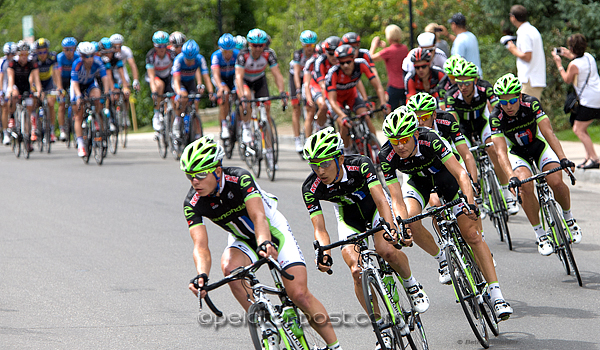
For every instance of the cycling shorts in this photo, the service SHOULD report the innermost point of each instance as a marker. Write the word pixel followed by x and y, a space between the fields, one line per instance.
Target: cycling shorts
pixel 349 225
pixel 48 85
pixel 22 88
pixel 354 103
pixel 259 86
pixel 167 82
pixel 540 152
pixel 420 187
pixel 66 83
pixel 481 128
pixel 189 86
pixel 85 90
pixel 289 253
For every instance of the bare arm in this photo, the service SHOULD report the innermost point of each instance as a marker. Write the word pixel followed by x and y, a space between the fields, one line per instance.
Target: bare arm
pixel 546 129
pixel 468 158
pixel 512 48
pixel 502 152
pixel 151 76
pixel 297 80
pixel 460 174
pixel 321 235
pixel 398 204
pixel 201 253
pixel 239 80
pixel 134 70
pixel 278 78
pixel 256 212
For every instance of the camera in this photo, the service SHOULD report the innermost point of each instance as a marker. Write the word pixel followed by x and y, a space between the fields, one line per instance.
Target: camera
pixel 558 50
pixel 438 29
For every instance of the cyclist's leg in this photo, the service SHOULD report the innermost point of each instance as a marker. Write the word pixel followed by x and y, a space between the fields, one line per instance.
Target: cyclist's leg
pixel 562 194
pixel 415 197
pixel 296 106
pixel 235 255
pixel 223 102
pixel 361 107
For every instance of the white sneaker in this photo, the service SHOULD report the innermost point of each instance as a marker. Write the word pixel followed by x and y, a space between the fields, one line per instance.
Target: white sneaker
pixel 225 133
pixel 573 227
pixel 387 340
pixel 512 206
pixel 63 135
pixel 502 309
pixel 81 151
pixel 444 273
pixel 420 301
pixel 6 139
pixel 544 246
pixel 299 146
pixel 246 136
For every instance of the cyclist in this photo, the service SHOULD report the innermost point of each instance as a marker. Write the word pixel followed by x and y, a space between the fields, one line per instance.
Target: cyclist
pixel 428 161
pixel 447 81
pixel 353 39
pixel 308 38
pixel 83 83
pixel 425 77
pixel 20 72
pixel 189 67
pixel 10 50
pixel 351 183
pixel 177 39
pixel 49 78
pixel 222 65
pixel 341 87
pixel 65 61
pixel 231 199
pixel 116 73
pixel 250 76
pixel 159 61
pixel 519 121
pixel 126 55
pixel 470 100
pixel 240 42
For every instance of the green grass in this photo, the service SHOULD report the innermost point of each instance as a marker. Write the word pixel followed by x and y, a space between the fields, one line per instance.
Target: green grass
pixel 568 135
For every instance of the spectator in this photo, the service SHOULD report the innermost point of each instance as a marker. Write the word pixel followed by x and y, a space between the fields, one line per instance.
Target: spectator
pixel 582 72
pixel 440 44
pixel 529 50
pixel 465 43
pixel 392 56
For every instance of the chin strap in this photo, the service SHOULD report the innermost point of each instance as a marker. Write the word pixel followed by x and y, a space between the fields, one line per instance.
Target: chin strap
pixel 218 188
pixel 337 165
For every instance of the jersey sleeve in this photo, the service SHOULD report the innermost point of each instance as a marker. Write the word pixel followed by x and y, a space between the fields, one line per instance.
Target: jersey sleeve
pixel 495 124
pixel 386 156
pixel 365 69
pixel 457 136
pixel 240 61
pixel 150 60
pixel 411 88
pixel 308 193
pixel 176 69
pixel 297 57
pixel 214 60
pixel 191 216
pixel 440 147
pixel 331 79
pixel 272 58
pixel 536 108
pixel 367 169
pixel 248 187
pixel 202 64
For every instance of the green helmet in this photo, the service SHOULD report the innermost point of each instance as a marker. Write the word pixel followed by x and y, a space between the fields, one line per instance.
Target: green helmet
pixel 400 123
pixel 323 144
pixel 422 101
pixel 451 63
pixel 508 84
pixel 202 154
pixel 464 68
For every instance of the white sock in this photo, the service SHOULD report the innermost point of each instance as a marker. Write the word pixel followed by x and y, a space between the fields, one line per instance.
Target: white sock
pixel 334 346
pixel 409 282
pixel 440 256
pixel 495 292
pixel 80 142
pixel 539 231
pixel 567 214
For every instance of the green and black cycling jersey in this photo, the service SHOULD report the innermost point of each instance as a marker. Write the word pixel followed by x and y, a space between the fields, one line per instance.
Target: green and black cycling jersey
pixel 443 86
pixel 228 210
pixel 446 125
pixel 351 193
pixel 520 130
pixel 471 116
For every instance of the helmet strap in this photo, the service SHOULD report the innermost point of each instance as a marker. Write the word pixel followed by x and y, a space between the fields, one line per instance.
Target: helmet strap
pixel 218 187
pixel 337 166
pixel 414 148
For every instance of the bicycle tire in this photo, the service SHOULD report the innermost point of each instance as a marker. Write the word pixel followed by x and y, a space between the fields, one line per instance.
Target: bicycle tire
pixel 500 211
pixel 269 137
pixel 466 295
pixel 87 143
pixel 378 298
pixel 122 120
pixel 229 142
pixel 16 145
pixel 259 319
pixel 27 147
pixel 548 219
pixel 97 147
pixel 47 130
pixel 254 153
pixel 563 244
pixel 113 135
pixel 417 338
pixel 275 141
pixel 69 127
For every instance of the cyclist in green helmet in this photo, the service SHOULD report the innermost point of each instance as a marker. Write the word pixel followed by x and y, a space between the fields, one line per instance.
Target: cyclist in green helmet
pixel 521 131
pixel 428 161
pixel 351 183
pixel 448 81
pixel 231 199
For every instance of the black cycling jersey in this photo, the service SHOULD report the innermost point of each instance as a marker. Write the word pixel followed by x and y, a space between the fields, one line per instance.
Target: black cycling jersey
pixel 471 117
pixel 228 210
pixel 22 73
pixel 443 86
pixel 447 126
pixel 351 193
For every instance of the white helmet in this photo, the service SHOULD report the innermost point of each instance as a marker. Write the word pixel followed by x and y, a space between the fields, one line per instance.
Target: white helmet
pixel 116 39
pixel 177 38
pixel 86 48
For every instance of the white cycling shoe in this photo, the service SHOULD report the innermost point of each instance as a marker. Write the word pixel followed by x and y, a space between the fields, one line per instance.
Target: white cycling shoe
pixel 512 206
pixel 246 136
pixel 444 273
pixel 575 230
pixel 502 309
pixel 420 301
pixel 388 341
pixel 544 246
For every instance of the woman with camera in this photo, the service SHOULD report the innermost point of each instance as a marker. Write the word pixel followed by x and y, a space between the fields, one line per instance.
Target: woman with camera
pixel 582 72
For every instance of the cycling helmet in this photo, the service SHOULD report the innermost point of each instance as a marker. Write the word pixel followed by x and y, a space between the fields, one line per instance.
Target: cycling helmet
pixel 22 46
pixel 86 48
pixel 323 144
pixel 319 48
pixel 400 123
pixel 421 54
pixel 7 47
pixel 240 42
pixel 42 43
pixel 464 68
pixel 190 49
pixel 177 38
pixel 105 44
pixel 202 154
pixel 421 101
pixel 451 63
pixel 69 42
pixel 13 48
pixel 344 51
pixel 351 38
pixel 226 42
pixel 116 39
pixel 96 46
pixel 160 38
pixel 257 36
pixel 508 84
pixel 308 37
pixel 331 43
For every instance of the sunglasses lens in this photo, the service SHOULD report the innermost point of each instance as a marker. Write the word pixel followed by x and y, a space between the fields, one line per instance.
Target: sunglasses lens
pixel 425 116
pixel 322 164
pixel 197 176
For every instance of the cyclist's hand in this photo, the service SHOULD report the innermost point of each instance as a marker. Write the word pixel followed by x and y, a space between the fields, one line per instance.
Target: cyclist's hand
pixel 309 101
pixel 213 97
pixel 154 96
pixel 346 121
pixel 325 264
pixel 477 187
pixel 472 211
pixel 387 108
pixel 78 101
pixel 197 283
pixel 136 85
pixel 220 92
pixel 126 91
pixel 299 94
pixel 513 183
pixel 200 88
pixel 267 248
pixel 565 163
pixel 284 97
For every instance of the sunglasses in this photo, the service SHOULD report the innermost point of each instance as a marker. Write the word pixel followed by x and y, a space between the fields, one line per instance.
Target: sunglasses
pixel 322 164
pixel 308 45
pixel 42 52
pixel 421 66
pixel 68 49
pixel 118 46
pixel 509 102
pixel 330 52
pixel 424 117
pixel 465 82
pixel 87 56
pixel 160 46
pixel 400 140
pixel 343 63
pixel 201 175
pixel 176 46
pixel 257 45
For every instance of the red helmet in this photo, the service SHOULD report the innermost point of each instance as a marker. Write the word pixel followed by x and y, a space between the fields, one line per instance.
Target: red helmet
pixel 331 43
pixel 421 54
pixel 351 38
pixel 344 51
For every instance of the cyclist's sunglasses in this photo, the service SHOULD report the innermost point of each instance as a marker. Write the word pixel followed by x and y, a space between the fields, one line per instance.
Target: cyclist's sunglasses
pixel 465 82
pixel 425 117
pixel 68 49
pixel 322 164
pixel 343 63
pixel 308 45
pixel 421 66
pixel 42 52
pixel 87 56
pixel 257 45
pixel 201 175
pixel 330 52
pixel 509 102
pixel 399 140
pixel 160 46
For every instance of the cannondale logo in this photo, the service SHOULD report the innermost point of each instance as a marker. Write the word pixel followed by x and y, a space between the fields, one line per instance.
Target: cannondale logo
pixel 245 180
pixel 436 145
pixel 364 168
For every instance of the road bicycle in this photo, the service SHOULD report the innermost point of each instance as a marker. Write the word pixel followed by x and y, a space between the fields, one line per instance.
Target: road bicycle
pixel 232 120
pixel 94 138
pixel 272 326
pixel 470 288
pixel 186 127
pixel 68 125
pixel 118 119
pixel 20 140
pixel 493 203
pixel 389 310
pixel 553 222
pixel 166 115
pixel 45 127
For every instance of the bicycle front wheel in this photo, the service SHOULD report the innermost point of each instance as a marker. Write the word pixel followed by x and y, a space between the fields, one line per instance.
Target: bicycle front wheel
pixel 499 210
pixel 563 245
pixel 417 338
pixel 270 140
pixel 254 152
pixel 263 332
pixel 113 136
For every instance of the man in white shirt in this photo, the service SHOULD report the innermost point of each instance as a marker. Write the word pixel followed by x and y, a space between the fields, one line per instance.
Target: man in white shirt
pixel 529 50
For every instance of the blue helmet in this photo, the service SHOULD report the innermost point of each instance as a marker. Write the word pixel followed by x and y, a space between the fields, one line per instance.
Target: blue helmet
pixel 105 43
pixel 227 42
pixel 96 45
pixel 8 47
pixel 240 42
pixel 190 49
pixel 69 42
pixel 160 38
pixel 308 37
pixel 257 36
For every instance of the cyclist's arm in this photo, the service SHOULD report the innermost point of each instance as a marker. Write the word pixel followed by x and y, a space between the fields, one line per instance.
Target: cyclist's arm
pixel 502 152
pixel 376 83
pixel 35 77
pixel 278 78
pixel 297 80
pixel 468 158
pixel 122 74
pixel 398 204
pixel 151 77
pixel 56 77
pixel 321 233
pixel 11 79
pixel 198 76
pixel 546 129
pixel 256 212
pixel 201 253
pixel 76 89
pixel 460 174
pixel 107 83
pixel 334 105
pixel 216 74
pixel 208 83
pixel 177 83
pixel 306 83
pixel 239 80
pixel 134 70
pixel 381 202
pixel 361 89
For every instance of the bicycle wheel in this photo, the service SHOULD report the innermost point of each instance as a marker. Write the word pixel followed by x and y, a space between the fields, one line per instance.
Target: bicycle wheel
pixel 465 292
pixel 113 135
pixel 269 138
pixel 563 245
pixel 97 147
pixel 384 317
pixel 87 143
pixel 229 142
pixel 122 120
pixel 15 144
pixel 263 331
pixel 499 210
pixel 47 131
pixel 275 140
pixel 254 152
pixel 27 147
pixel 417 338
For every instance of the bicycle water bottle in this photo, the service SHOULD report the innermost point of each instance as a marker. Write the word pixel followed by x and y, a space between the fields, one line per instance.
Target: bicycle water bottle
pixel 186 123
pixel 390 284
pixel 41 112
pixel 291 318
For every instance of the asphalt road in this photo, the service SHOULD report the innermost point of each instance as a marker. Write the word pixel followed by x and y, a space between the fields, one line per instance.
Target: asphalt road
pixel 99 257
